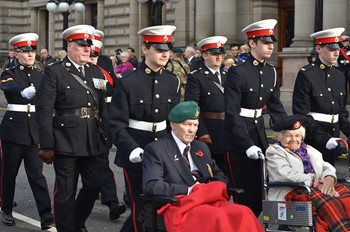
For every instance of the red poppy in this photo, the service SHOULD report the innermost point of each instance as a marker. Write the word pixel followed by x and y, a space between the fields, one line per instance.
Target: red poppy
pixel 200 153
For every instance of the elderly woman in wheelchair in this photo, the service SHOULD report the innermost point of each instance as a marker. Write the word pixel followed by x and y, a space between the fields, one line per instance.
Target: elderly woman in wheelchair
pixel 289 159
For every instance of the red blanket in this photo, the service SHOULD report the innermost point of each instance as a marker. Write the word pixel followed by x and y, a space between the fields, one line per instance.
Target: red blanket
pixel 207 209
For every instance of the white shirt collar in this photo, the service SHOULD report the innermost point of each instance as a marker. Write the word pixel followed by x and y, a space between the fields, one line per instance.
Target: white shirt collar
pixel 77 66
pixel 179 143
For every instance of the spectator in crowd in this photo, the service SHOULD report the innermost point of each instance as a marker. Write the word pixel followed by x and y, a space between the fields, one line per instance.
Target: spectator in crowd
pixel 178 165
pixel 74 137
pixel 37 65
pixel 125 65
pixel 249 86
pixel 198 53
pixel 139 110
pixel 228 63
pixel 46 58
pixel 114 63
pixel 132 57
pixel 10 62
pixel 117 55
pixel 245 49
pixel 178 66
pixel 205 86
pixel 320 93
pixel 61 55
pixel 19 131
pixel 192 61
pixel 234 49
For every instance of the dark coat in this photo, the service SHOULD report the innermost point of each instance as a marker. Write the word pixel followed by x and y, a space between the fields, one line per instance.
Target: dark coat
pixel 144 97
pixel 322 90
pixel 70 135
pixel 249 85
pixel 166 173
pixel 19 127
pixel 106 63
pixel 201 89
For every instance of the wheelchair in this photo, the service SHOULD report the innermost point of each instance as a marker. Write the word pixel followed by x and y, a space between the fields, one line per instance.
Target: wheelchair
pixel 295 214
pixel 153 222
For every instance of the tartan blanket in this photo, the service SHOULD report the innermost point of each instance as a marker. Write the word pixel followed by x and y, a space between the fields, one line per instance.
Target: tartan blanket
pixel 330 213
pixel 207 209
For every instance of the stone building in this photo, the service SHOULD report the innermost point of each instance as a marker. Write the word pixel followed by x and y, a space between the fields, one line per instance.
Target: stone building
pixel 194 19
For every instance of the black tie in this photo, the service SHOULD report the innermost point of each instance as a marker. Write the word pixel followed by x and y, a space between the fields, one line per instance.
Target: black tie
pixel 81 70
pixel 218 77
pixel 195 173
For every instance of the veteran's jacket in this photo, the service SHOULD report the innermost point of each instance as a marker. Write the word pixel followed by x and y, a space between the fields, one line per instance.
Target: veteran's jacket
pixel 141 95
pixel 322 89
pixel 210 98
pixel 250 85
pixel 59 90
pixel 19 127
pixel 166 173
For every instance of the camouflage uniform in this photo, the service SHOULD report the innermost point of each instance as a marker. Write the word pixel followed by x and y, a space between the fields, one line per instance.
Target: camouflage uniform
pixel 181 71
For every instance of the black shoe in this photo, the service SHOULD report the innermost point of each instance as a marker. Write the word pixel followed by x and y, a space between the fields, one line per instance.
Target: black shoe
pixel 285 228
pixel 116 209
pixel 46 221
pixel 8 220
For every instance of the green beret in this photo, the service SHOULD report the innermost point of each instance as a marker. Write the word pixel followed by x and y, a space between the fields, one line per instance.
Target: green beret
pixel 184 111
pixel 177 50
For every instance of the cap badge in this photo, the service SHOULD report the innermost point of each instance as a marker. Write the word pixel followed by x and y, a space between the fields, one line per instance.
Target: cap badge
pixel 165 38
pixel 92 47
pixel 86 35
pixel 29 43
pixel 322 66
pixel 196 114
pixel 270 32
pixel 296 125
pixel 255 62
pixel 218 44
pixel 336 39
pixel 21 67
pixel 68 64
pixel 147 70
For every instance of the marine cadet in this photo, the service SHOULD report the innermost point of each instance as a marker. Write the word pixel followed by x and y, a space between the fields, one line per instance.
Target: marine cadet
pixel 205 86
pixel 19 131
pixel 109 186
pixel 249 86
pixel 74 138
pixel 320 92
pixel 139 110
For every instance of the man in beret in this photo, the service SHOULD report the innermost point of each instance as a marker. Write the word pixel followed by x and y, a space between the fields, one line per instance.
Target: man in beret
pixel 178 164
pixel 139 109
pixel 74 138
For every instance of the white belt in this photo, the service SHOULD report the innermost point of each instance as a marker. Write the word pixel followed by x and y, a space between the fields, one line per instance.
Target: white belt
pixel 147 126
pixel 21 108
pixel 250 113
pixel 330 118
pixel 108 99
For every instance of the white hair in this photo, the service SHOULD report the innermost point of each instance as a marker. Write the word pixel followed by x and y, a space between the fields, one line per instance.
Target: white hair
pixel 283 132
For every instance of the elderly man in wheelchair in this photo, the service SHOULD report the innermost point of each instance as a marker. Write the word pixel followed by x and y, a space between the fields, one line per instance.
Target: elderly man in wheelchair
pixel 289 159
pixel 179 166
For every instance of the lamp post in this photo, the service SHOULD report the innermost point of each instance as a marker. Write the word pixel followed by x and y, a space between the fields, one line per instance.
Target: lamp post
pixel 156 12
pixel 65 7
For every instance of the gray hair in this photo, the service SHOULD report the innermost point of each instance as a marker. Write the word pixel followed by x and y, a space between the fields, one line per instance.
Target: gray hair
pixel 283 132
pixel 190 50
pixel 124 54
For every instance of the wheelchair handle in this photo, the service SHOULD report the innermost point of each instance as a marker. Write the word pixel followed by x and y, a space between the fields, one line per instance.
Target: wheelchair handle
pixel 342 141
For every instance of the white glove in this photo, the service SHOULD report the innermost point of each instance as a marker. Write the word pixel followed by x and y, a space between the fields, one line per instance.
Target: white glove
pixel 254 152
pixel 332 143
pixel 135 155
pixel 28 92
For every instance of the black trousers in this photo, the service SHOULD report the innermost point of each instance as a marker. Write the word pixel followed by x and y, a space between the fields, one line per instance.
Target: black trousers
pixel 12 156
pixel 133 185
pixel 71 212
pixel 247 174
pixel 109 185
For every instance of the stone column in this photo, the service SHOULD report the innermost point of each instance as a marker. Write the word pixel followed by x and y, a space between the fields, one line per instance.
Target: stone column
pixel 33 20
pixel 136 14
pixel 334 13
pixel 225 18
pixel 204 19
pixel 100 15
pixel 304 23
pixel 51 33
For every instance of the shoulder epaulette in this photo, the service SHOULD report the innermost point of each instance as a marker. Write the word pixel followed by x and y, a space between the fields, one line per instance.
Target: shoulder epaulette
pixel 127 73
pixel 308 67
pixel 196 70
pixel 55 62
